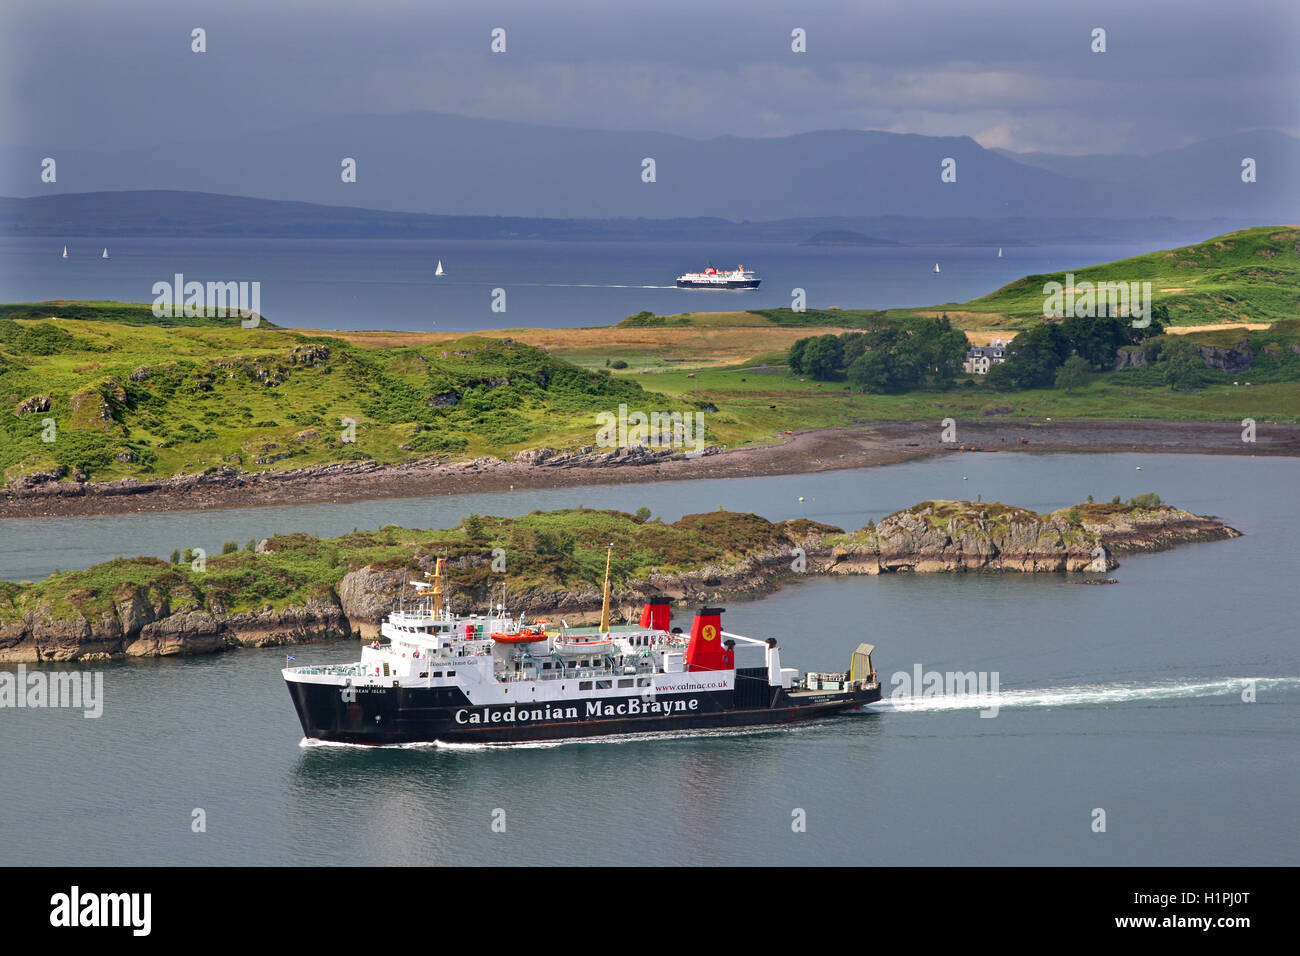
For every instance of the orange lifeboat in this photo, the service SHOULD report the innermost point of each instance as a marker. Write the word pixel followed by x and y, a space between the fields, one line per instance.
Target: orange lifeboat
pixel 525 636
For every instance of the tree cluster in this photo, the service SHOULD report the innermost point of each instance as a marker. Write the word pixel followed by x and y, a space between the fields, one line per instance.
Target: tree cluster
pixel 1036 357
pixel 886 357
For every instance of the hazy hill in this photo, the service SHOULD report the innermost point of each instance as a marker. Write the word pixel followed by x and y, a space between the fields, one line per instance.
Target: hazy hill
pixel 436 163
pixel 174 213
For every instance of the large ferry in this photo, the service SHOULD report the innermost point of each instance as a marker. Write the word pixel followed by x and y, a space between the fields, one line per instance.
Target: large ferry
pixel 712 278
pixel 439 677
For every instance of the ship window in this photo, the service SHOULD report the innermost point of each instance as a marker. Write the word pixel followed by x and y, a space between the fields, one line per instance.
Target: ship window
pixel 451 673
pixel 643 682
pixel 437 673
pixel 604 684
pixel 584 685
pixel 625 683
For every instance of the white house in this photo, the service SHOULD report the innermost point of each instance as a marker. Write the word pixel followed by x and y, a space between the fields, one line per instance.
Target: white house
pixel 980 358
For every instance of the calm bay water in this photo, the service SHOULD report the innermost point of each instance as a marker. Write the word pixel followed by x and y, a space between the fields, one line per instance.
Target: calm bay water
pixel 389 283
pixel 1125 698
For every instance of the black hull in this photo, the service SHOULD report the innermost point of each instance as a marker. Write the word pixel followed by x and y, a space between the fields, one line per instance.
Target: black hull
pixel 392 715
pixel 718 285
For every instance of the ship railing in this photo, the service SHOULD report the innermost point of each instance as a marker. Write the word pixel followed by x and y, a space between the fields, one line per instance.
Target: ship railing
pixel 574 673
pixel 833 681
pixel 331 670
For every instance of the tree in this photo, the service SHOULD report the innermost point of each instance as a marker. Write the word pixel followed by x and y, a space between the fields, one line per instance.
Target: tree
pixel 1184 366
pixel 1159 320
pixel 473 526
pixel 1001 377
pixel 940 350
pixel 1072 373
pixel 229 547
pixel 823 358
pixel 872 372
pixel 1037 355
pixel 1096 338
pixel 642 515
pixel 856 344
pixel 795 356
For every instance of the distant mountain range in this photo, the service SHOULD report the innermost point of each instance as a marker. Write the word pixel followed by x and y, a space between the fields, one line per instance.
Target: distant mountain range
pixel 172 213
pixel 457 166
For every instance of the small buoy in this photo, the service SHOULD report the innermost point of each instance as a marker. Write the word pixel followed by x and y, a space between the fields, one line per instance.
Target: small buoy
pixel 801 497
pixel 964 478
pixel 1139 467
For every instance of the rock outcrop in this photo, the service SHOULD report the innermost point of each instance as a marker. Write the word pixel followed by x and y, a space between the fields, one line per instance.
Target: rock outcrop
pixel 140 629
pixel 1236 359
pixel 173 616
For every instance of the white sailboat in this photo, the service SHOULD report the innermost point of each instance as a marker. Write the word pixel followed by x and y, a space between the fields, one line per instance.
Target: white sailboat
pixel 105 255
pixel 999 252
pixel 65 252
pixel 936 268
pixel 438 271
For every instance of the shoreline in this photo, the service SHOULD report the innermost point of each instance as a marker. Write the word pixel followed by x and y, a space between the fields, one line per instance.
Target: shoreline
pixel 808 451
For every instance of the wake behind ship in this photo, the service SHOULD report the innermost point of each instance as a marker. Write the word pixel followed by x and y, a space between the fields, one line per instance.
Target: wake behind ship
pixel 491 679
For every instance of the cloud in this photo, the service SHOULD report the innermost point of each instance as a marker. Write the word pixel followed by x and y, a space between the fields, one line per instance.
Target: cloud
pixel 1019 75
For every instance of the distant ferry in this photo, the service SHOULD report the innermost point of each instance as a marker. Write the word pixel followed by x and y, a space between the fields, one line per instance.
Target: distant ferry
pixel 712 278
pixel 441 677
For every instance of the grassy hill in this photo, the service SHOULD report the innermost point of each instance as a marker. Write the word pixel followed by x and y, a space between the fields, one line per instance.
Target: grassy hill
pixel 1249 276
pixel 156 401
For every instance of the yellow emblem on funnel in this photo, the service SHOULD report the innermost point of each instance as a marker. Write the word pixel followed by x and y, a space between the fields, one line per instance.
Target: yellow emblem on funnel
pixel 709 632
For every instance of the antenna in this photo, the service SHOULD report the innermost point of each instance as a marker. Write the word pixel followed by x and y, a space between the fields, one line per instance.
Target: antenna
pixel 604 608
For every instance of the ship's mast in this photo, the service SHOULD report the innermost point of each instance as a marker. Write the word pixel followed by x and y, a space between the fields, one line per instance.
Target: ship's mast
pixel 437 587
pixel 604 608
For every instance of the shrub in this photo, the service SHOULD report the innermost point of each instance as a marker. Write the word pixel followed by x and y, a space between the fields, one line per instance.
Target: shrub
pixel 1148 500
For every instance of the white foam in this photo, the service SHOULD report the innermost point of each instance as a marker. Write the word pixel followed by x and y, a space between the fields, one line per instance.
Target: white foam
pixel 1084 695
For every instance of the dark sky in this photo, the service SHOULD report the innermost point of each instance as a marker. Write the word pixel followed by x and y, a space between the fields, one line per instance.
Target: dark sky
pixel 1016 74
